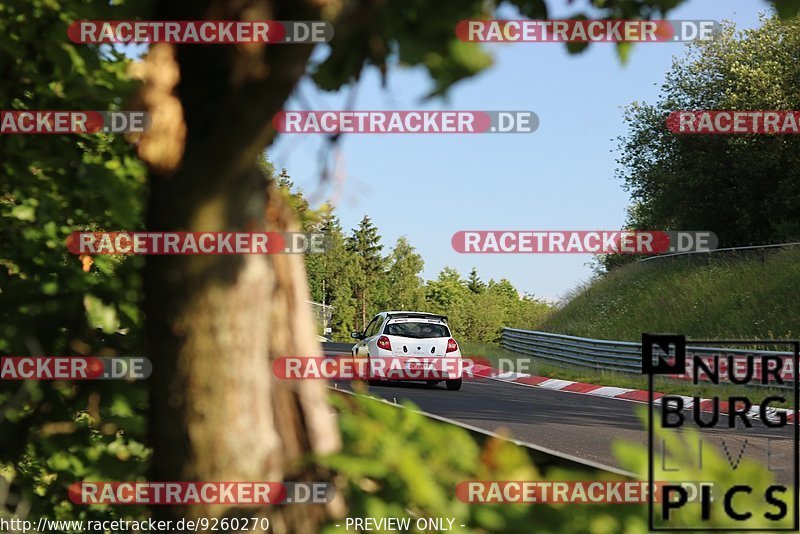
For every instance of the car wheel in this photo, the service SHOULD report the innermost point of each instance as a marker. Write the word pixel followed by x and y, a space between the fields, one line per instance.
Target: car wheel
pixel 453 385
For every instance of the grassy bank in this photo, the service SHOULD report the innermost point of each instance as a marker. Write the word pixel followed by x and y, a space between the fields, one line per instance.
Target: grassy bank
pixel 755 296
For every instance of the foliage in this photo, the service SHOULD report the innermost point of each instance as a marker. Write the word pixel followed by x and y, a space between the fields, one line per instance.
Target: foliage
pixel 285 187
pixel 396 462
pixel 403 277
pixel 474 282
pixel 745 188
pixel 331 275
pixel 56 433
pixel 477 317
pixel 365 246
pixel 448 290
pixel 687 462
pixel 418 33
pixel 338 278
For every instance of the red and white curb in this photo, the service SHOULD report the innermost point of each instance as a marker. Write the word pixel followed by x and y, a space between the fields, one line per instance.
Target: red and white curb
pixel 611 392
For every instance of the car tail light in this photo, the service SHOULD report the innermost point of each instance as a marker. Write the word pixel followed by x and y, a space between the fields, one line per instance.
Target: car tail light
pixel 383 343
pixel 452 346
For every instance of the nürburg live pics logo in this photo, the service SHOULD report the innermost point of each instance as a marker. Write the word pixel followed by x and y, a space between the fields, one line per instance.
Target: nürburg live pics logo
pixel 735 439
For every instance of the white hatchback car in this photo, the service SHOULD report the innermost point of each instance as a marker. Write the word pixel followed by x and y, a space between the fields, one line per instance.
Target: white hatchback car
pixel 416 336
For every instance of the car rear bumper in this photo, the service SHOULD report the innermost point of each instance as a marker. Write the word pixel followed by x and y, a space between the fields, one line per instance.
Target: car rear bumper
pixel 415 369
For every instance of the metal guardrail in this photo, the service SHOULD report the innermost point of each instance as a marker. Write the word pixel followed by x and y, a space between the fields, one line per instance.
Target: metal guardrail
pixel 624 356
pixel 560 349
pixel 323 314
pixel 708 253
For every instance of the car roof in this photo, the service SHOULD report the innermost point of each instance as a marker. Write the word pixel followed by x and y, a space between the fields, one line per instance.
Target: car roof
pixel 426 315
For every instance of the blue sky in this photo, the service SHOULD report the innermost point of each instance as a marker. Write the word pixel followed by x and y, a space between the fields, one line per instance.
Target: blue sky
pixel 560 177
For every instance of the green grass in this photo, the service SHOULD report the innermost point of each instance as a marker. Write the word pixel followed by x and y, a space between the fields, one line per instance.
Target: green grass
pixel 713 297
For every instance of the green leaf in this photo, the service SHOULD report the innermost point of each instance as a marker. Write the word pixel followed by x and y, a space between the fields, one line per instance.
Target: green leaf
pixel 577 48
pixel 100 315
pixel 24 212
pixel 624 51
pixel 787 8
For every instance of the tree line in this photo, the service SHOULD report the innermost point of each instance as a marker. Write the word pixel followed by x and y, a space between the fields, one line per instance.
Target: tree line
pixel 359 277
pixel 744 188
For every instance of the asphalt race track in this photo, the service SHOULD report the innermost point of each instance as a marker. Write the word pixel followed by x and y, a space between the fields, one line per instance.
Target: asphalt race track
pixel 579 425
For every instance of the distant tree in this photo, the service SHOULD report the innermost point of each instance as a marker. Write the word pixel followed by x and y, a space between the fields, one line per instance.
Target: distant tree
pixel 447 290
pixel 365 244
pixel 318 269
pixel 508 297
pixel 405 288
pixel 504 289
pixel 745 188
pixel 293 196
pixel 479 317
pixel 528 313
pixel 332 275
pixel 474 283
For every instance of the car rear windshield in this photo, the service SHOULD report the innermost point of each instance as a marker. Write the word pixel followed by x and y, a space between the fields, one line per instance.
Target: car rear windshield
pixel 417 330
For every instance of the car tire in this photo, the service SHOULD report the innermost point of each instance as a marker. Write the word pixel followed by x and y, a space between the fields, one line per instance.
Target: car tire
pixel 453 385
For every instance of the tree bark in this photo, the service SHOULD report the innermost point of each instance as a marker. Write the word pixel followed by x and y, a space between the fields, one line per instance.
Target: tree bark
pixel 214 323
